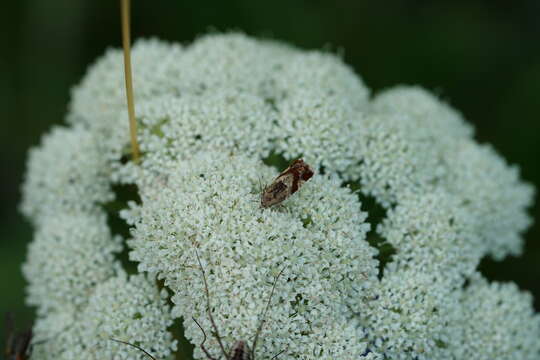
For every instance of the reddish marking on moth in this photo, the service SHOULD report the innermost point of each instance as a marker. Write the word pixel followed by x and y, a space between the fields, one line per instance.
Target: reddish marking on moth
pixel 286 183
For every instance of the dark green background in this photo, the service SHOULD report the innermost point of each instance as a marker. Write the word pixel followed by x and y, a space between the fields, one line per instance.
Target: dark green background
pixel 481 56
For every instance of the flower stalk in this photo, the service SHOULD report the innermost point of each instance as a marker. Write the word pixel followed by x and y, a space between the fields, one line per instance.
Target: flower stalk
pixel 126 44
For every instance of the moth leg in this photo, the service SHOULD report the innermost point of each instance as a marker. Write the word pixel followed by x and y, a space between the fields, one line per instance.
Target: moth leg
pixel 208 308
pixel 279 353
pixel 136 347
pixel 261 324
pixel 204 340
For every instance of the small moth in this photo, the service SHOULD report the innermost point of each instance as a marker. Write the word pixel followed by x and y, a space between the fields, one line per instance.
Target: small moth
pixel 286 183
pixel 239 352
pixel 17 344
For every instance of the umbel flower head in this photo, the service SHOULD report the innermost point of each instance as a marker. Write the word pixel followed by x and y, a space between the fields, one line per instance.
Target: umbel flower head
pixel 377 253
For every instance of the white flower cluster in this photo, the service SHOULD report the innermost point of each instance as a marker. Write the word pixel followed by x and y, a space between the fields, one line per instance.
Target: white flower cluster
pixel 318 241
pixel 123 308
pixel 416 144
pixel 404 322
pixel 82 295
pixel 493 321
pixel 71 254
pixel 67 173
pixel 212 116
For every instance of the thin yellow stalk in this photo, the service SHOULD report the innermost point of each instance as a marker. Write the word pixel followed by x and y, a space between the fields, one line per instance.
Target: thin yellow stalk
pixel 127 73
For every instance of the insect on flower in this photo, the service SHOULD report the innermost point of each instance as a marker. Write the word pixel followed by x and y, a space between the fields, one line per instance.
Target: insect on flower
pixel 286 183
pixel 240 350
pixel 17 344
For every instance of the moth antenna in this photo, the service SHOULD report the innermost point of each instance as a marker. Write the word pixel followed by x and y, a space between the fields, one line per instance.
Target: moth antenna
pixel 264 314
pixel 279 353
pixel 135 346
pixel 261 187
pixel 204 340
pixel 208 308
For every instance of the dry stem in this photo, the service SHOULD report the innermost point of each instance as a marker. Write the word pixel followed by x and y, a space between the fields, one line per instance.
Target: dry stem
pixel 129 83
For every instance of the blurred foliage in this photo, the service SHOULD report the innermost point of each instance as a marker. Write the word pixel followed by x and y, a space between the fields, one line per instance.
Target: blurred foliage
pixel 481 56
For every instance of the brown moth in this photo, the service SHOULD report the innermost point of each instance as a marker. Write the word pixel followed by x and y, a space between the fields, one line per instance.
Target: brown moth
pixel 17 344
pixel 286 183
pixel 239 352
